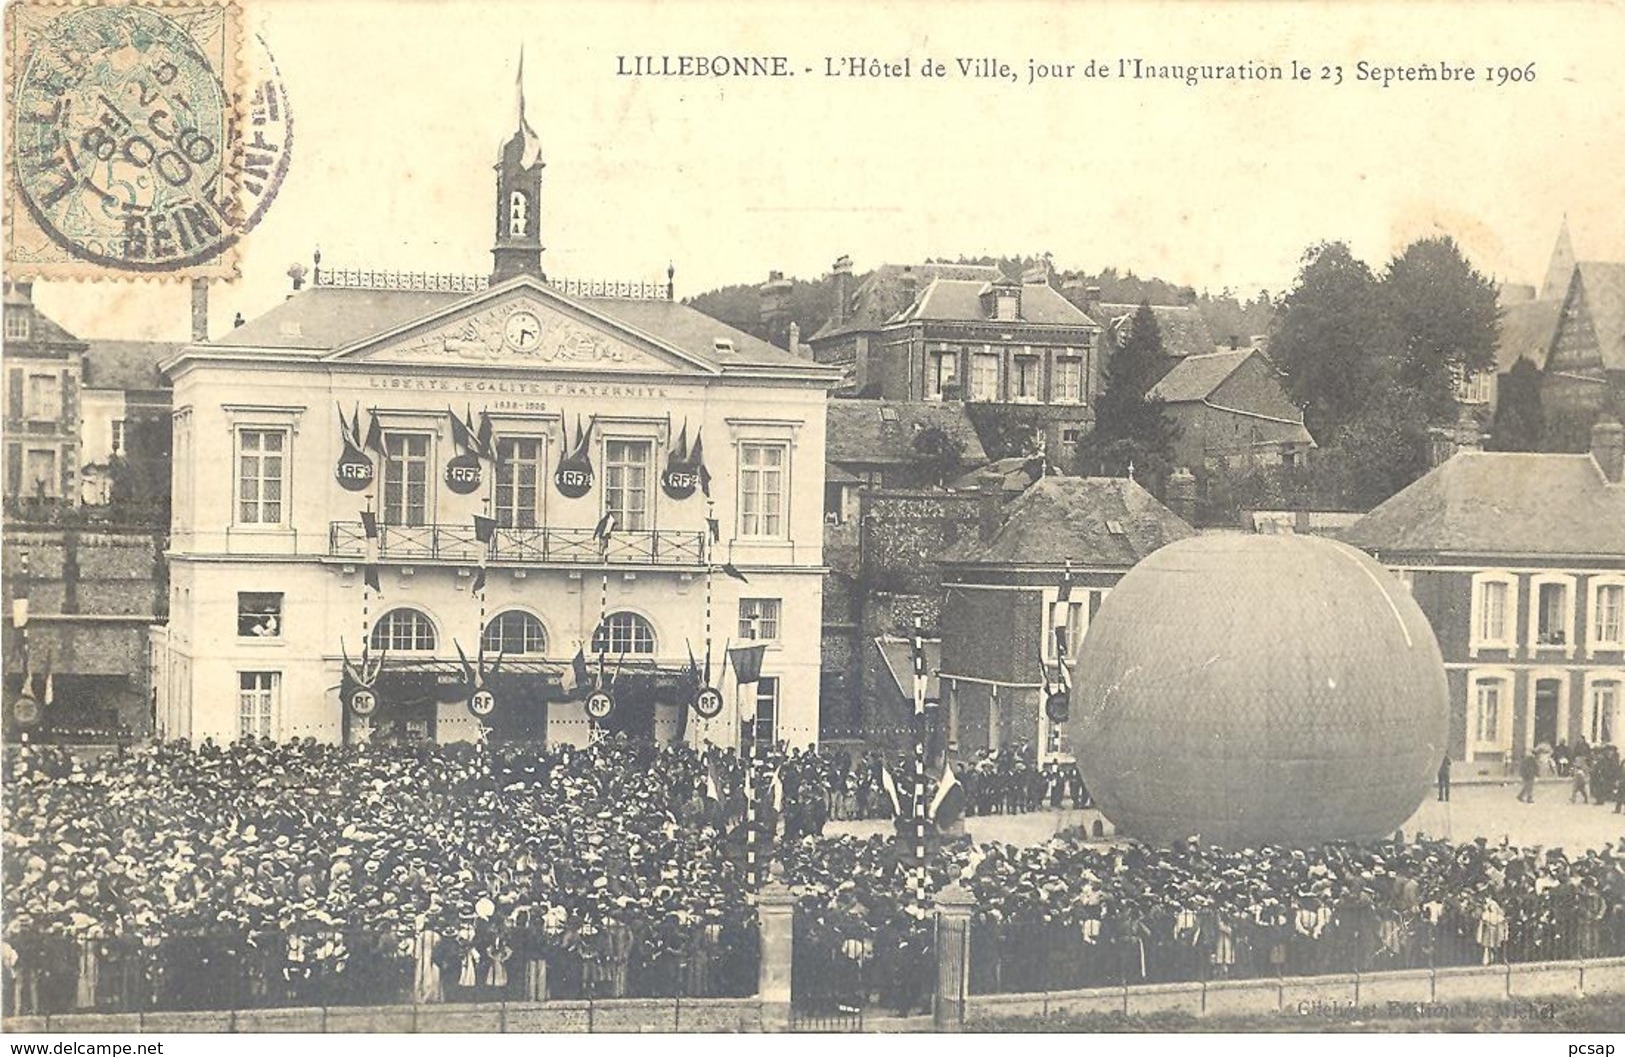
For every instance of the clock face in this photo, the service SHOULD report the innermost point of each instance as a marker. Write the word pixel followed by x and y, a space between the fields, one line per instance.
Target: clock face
pixel 523 332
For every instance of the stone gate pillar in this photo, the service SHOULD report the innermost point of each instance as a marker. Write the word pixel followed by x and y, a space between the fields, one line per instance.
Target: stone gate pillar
pixel 954 905
pixel 775 912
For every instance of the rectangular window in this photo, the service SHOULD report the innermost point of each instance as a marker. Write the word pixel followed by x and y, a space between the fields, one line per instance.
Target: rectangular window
pixel 260 470
pixel 940 370
pixel 520 477
pixel 256 703
pixel 1069 380
pixel 766 728
pixel 1492 611
pixel 1608 617
pixel 259 614
pixel 41 470
pixel 406 479
pixel 985 376
pixel 1552 614
pixel 759 619
pixel 761 490
pixel 1008 307
pixel 626 483
pixel 16 325
pixel 1073 616
pixel 44 398
pixel 118 437
pixel 1025 384
pixel 1487 729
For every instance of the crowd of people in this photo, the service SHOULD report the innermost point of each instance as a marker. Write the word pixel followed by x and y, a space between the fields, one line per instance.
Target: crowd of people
pixel 259 873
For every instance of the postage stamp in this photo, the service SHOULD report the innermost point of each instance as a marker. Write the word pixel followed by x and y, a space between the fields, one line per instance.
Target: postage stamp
pixel 145 139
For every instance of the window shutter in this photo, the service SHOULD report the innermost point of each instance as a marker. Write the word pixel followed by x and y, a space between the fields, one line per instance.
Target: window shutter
pixel 14 468
pixel 15 404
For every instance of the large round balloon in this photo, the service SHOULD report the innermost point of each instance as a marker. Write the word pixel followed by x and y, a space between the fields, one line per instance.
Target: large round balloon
pixel 1259 689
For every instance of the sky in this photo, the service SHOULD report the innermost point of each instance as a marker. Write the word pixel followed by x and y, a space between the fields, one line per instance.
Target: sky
pixel 399 109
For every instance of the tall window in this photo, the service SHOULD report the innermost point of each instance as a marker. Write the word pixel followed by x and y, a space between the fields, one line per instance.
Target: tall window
pixel 759 619
pixel 44 398
pixel 1494 604
pixel 624 633
pixel 517 212
pixel 515 632
pixel 1602 727
pixel 1069 380
pixel 761 490
pixel 1073 616
pixel 626 482
pixel 766 729
pixel 1024 386
pixel 940 369
pixel 1607 617
pixel 118 437
pixel 519 482
pixel 261 468
pixel 404 630
pixel 1489 715
pixel 256 703
pixel 42 479
pixel 1552 614
pixel 984 380
pixel 406 479
pixel 16 325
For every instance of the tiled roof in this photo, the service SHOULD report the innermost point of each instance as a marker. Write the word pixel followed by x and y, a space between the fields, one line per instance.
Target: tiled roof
pixel 1195 377
pixel 1527 328
pixel 883 431
pixel 1501 503
pixel 1101 522
pixel 955 299
pixel 880 295
pixel 1184 331
pixel 1013 475
pixel 127 365
pixel 1604 283
pixel 326 318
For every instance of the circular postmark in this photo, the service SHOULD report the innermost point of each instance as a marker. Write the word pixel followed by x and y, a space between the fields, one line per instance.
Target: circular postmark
pixel 128 148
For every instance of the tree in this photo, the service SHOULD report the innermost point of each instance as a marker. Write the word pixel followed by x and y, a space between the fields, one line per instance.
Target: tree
pixel 941 454
pixel 1131 430
pixel 1331 339
pixel 1519 421
pixel 1444 316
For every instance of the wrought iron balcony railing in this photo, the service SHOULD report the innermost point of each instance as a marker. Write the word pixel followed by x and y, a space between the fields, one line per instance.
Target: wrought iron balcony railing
pixel 521 546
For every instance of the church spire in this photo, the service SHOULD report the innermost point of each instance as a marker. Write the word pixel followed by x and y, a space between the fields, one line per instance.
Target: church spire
pixel 518 247
pixel 1561 267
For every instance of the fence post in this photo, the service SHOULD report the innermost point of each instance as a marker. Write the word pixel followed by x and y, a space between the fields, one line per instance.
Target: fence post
pixel 775 912
pixel 954 906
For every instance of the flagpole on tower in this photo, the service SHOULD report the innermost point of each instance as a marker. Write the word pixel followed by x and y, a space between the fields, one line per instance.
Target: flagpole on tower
pixel 917 651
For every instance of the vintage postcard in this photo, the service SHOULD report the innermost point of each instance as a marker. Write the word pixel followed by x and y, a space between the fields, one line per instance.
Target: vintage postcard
pixel 535 516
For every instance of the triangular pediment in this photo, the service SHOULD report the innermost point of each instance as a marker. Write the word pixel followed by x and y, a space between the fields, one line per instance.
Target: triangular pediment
pixel 523 324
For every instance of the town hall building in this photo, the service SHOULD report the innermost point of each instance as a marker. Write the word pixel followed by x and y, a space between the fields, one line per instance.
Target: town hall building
pixel 420 507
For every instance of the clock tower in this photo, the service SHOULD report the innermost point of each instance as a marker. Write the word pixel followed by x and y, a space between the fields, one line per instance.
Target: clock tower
pixel 518 248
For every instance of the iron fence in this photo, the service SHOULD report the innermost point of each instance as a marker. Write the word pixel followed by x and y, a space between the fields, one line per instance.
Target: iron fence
pixel 348 539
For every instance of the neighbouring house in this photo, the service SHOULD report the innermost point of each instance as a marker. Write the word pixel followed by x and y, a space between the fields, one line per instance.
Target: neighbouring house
pixel 1583 377
pixel 877 444
pixel 1232 409
pixel 1518 560
pixel 124 418
pixel 42 378
pixel 1184 332
pixel 1001 601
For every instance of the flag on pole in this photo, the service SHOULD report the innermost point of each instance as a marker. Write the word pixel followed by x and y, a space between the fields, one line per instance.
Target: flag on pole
pixel 605 527
pixel 579 674
pixel 461 435
pixel 369 524
pixel 479 580
pixel 369 576
pixel 485 528
pixel 777 792
pixel 1064 592
pixel 696 458
pixel 747 662
pixel 715 528
pixel 890 786
pixel 713 781
pixel 733 570
pixel 948 806
pixel 375 433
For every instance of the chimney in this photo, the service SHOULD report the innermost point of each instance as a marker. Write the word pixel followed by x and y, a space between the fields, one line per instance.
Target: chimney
pixel 200 310
pixel 795 338
pixel 911 285
pixel 840 274
pixel 1037 275
pixel 1608 448
pixel 25 289
pixel 1091 300
pixel 775 306
pixel 989 508
pixel 1182 494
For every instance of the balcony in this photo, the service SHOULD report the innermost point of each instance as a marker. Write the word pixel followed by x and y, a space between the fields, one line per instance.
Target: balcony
pixel 518 546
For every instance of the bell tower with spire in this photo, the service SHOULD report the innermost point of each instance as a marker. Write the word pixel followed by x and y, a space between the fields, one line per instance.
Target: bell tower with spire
pixel 518 247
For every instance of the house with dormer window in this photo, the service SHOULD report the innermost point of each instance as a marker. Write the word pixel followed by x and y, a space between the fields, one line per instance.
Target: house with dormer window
pixel 1518 560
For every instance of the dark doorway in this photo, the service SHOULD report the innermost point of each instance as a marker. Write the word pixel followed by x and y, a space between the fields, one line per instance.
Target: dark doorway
pixel 1546 698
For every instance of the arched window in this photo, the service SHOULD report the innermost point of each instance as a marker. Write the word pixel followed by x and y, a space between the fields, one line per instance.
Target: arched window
pixel 518 210
pixel 403 630
pixel 624 633
pixel 515 632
